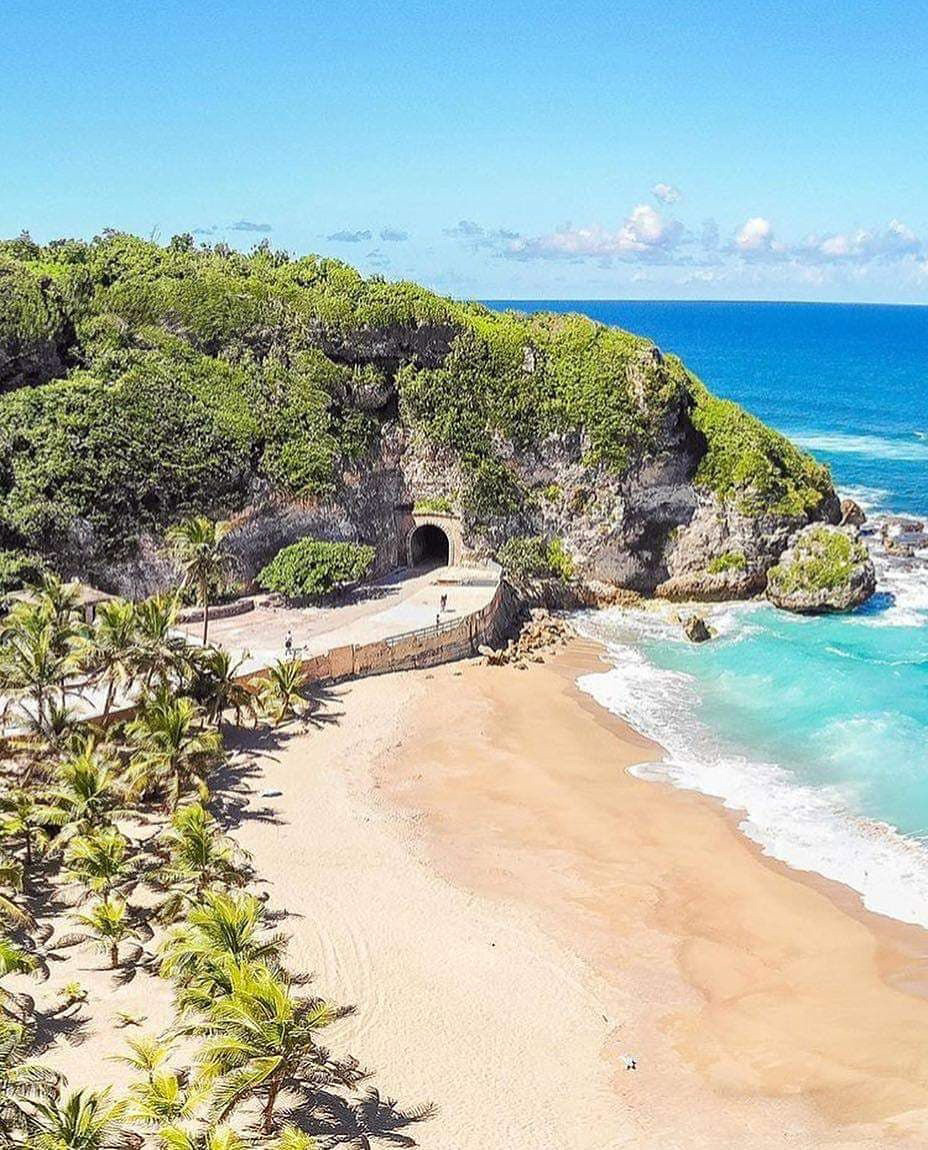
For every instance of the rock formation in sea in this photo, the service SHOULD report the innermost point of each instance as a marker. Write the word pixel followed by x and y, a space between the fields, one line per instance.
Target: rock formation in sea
pixel 824 569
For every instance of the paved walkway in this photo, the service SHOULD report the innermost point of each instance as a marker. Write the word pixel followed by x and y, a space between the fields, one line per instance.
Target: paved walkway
pixel 404 601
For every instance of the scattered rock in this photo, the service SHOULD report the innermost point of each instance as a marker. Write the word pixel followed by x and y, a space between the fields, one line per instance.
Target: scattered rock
pixel 824 569
pixel 696 629
pixel 270 793
pixel 541 634
pixel 852 514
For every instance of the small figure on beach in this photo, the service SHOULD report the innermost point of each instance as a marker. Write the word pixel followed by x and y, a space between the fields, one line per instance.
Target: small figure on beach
pixel 444 602
pixel 629 1062
pixel 288 643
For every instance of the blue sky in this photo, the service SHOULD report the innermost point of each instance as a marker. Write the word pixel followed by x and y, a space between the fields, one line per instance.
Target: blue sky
pixel 546 150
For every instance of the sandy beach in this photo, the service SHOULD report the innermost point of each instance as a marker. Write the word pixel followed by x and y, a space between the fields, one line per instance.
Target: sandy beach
pixel 463 856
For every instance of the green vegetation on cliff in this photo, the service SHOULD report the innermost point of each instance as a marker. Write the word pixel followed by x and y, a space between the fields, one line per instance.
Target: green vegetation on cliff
pixel 313 568
pixel 822 560
pixel 142 384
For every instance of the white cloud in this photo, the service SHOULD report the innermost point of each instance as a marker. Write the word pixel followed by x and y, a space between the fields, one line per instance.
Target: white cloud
pixel 644 235
pixel 896 242
pixel 666 193
pixel 756 235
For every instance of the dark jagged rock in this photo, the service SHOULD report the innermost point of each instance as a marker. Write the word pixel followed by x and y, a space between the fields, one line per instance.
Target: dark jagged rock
pixel 696 629
pixel 852 514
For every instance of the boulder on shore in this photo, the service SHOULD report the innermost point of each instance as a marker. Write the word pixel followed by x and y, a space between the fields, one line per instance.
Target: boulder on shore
pixel 852 514
pixel 824 569
pixel 696 629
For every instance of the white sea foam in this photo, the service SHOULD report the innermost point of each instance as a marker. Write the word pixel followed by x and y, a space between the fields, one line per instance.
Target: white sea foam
pixel 810 828
pixel 866 446
pixel 871 499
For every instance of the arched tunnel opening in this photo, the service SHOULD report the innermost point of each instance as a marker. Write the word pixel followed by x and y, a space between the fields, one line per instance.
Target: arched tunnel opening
pixel 429 545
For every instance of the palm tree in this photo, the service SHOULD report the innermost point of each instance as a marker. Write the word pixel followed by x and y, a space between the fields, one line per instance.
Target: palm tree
pixel 222 932
pixel 199 856
pixel 109 653
pixel 213 1138
pixel 163 1095
pixel 260 1039
pixel 86 1120
pixel 281 689
pixel 22 1081
pixel 11 877
pixel 158 652
pixel 197 547
pixel 99 860
pixel 215 685
pixel 174 752
pixel 22 823
pixel 84 791
pixel 35 661
pixel 107 925
pixel 14 959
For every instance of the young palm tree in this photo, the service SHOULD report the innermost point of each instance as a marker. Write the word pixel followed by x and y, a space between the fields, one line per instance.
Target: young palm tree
pixel 214 684
pixel 22 1081
pixel 281 690
pixel 100 861
pixel 14 959
pixel 213 1138
pixel 261 1039
pixel 84 791
pixel 223 931
pixel 174 753
pixel 199 857
pixel 107 926
pixel 108 654
pixel 35 662
pixel 11 884
pixel 162 1095
pixel 158 652
pixel 197 546
pixel 85 1120
pixel 22 824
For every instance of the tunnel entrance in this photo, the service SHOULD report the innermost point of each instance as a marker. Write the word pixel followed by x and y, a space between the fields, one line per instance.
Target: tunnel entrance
pixel 428 544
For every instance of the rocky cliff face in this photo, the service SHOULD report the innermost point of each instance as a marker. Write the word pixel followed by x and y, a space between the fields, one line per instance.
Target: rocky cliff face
pixel 145 383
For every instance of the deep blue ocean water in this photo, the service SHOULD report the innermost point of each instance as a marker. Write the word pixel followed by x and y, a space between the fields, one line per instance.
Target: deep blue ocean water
pixel 817 729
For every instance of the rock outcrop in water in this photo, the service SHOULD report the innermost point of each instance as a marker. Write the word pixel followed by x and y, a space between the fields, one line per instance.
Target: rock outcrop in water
pixel 144 383
pixel 824 569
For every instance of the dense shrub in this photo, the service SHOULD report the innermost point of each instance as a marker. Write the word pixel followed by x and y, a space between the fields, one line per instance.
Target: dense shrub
pixel 313 568
pixel 528 557
pixel 728 561
pixel 822 561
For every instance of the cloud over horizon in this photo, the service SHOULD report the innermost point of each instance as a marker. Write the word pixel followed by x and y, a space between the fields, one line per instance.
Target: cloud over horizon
pixel 248 226
pixel 348 237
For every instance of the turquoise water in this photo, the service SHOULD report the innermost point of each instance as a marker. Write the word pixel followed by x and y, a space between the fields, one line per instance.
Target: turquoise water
pixel 817 729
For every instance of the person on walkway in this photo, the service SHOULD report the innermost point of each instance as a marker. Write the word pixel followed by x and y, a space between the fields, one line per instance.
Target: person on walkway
pixel 444 602
pixel 288 644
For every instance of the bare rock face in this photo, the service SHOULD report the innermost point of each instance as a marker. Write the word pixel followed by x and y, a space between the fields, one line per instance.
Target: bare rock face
pixel 696 629
pixel 825 569
pixel 852 514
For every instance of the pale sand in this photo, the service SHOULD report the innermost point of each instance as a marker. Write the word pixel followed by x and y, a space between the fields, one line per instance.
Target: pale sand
pixel 464 858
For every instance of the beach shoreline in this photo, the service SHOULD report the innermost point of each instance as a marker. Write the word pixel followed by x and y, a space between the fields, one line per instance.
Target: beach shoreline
pixel 462 854
pixel 655 928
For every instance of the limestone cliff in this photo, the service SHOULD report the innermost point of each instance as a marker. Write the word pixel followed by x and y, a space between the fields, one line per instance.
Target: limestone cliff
pixel 144 383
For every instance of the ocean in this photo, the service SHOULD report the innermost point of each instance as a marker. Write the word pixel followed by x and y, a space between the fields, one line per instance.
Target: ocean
pixel 815 730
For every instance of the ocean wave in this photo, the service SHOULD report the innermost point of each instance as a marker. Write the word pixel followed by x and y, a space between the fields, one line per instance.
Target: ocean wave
pixel 870 499
pixel 811 828
pixel 865 446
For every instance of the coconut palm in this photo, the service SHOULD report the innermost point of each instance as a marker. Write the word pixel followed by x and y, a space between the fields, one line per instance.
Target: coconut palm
pixel 14 959
pixel 109 653
pixel 22 823
pixel 197 546
pixel 100 861
pixel 260 1039
pixel 11 884
pixel 214 683
pixel 85 1120
pixel 222 932
pixel 84 790
pixel 106 925
pixel 281 690
pixel 174 753
pixel 35 661
pixel 22 1081
pixel 199 856
pixel 158 653
pixel 162 1095
pixel 213 1138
